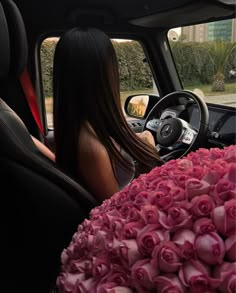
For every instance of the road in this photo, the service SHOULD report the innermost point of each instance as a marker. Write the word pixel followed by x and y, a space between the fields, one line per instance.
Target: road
pixel 228 100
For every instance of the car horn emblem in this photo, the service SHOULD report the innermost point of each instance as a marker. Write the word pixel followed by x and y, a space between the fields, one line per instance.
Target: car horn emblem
pixel 166 130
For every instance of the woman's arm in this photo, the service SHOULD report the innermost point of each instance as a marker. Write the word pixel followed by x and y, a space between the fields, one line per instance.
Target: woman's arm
pixel 43 149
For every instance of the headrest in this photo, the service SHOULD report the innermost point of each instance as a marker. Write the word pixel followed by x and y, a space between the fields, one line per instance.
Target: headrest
pixel 18 39
pixel 4 45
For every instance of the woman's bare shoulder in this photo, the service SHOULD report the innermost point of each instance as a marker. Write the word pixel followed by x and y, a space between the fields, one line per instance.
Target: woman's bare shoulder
pixel 89 143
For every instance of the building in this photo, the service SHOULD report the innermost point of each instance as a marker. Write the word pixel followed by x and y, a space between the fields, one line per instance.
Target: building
pixel 194 33
pixel 220 30
pixel 224 30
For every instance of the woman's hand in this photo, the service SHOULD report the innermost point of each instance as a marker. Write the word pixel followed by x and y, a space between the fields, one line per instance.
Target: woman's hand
pixel 147 137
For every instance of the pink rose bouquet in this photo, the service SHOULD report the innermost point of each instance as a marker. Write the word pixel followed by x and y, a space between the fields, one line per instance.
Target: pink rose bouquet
pixel 172 230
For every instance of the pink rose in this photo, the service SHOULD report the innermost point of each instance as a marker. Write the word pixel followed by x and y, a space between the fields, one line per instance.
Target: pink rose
pixel 112 288
pixel 196 187
pixel 231 175
pixel 114 223
pixel 133 215
pixel 179 179
pixel 115 247
pixel 129 252
pixel 224 217
pixel 230 155
pixel 184 165
pixel 86 286
pixel 87 227
pixel 135 188
pixel 165 186
pixel 213 175
pixel 230 247
pixel 166 168
pixel 67 281
pixel 117 276
pixel 199 157
pixel 196 276
pixel 125 209
pixel 178 194
pixel 101 265
pixel 163 200
pixel 217 170
pixel 152 185
pixel 81 265
pixel 224 191
pixel 184 239
pixel 210 248
pixel 97 220
pixel 169 283
pixel 203 226
pixel 226 272
pixel 77 249
pixel 142 198
pixel 64 257
pixel 149 237
pixel 118 200
pixel 131 229
pixel 216 153
pixel 103 240
pixel 202 205
pixel 196 172
pixel 150 214
pixel 153 174
pixel 177 218
pixel 167 257
pixel 94 213
pixel 142 273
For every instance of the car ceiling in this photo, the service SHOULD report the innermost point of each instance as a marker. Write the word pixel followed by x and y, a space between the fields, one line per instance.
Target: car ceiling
pixel 57 14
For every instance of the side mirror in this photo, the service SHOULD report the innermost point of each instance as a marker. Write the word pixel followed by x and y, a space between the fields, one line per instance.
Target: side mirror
pixel 138 106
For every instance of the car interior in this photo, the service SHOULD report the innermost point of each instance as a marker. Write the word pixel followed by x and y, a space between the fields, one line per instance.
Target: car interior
pixel 42 206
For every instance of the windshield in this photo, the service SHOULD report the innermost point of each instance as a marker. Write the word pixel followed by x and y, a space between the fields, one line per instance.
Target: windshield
pixel 205 58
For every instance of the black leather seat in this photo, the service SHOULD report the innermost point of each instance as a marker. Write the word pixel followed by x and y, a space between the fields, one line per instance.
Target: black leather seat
pixel 40 206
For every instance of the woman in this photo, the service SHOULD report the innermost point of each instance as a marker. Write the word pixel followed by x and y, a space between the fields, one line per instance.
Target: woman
pixel 92 138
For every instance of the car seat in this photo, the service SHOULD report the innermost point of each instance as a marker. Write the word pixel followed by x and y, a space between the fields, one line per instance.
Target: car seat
pixel 41 207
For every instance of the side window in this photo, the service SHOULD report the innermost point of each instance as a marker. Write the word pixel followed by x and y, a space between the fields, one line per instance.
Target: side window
pixel 135 73
pixel 204 55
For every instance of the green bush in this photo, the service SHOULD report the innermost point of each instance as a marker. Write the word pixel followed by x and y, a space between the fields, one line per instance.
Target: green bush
pixel 46 56
pixel 134 70
pixel 192 62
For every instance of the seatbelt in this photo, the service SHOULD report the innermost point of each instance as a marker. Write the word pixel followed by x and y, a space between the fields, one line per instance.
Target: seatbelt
pixel 30 96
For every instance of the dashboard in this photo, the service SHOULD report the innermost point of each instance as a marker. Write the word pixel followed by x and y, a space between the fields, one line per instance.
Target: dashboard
pixel 222 122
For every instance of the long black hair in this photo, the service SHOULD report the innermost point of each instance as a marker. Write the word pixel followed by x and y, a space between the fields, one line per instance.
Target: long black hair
pixel 87 89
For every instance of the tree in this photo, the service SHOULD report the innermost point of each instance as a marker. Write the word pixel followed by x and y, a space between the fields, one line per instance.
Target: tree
pixel 219 52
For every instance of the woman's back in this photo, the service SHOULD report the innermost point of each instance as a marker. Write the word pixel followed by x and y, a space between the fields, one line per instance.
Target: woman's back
pixel 100 172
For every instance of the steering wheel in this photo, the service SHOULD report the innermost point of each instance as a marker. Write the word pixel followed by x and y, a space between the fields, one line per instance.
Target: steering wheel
pixel 179 123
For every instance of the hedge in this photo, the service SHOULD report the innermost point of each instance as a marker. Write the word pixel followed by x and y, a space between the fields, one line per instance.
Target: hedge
pixel 192 62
